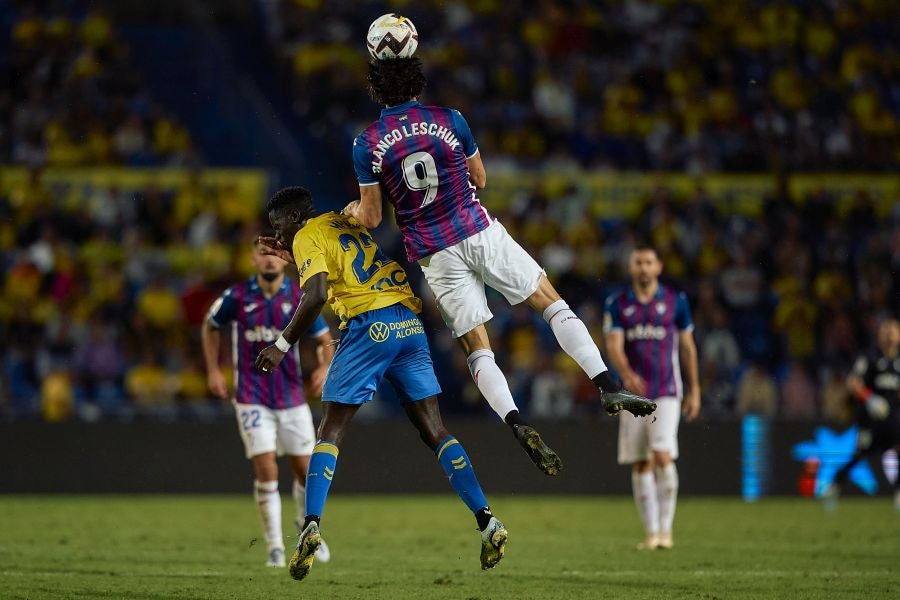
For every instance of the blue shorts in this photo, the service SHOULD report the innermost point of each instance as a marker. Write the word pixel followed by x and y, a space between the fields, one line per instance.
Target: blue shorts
pixel 387 343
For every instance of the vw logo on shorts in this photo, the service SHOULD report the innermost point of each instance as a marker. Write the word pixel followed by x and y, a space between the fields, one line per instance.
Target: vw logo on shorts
pixel 379 332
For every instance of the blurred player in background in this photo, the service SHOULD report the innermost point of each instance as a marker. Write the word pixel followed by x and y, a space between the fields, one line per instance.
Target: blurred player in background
pixel 425 161
pixel 271 410
pixel 649 332
pixel 381 338
pixel 875 384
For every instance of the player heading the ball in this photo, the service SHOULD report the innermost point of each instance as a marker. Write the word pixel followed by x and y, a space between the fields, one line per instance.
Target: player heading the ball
pixel 424 159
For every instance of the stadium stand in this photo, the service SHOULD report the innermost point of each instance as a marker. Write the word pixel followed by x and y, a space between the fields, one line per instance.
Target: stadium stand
pixel 107 273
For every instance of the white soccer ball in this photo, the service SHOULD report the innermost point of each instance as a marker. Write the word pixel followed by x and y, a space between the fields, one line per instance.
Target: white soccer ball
pixel 392 36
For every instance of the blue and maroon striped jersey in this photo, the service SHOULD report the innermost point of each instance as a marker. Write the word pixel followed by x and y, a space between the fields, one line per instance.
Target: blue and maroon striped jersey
pixel 651 336
pixel 418 155
pixel 256 322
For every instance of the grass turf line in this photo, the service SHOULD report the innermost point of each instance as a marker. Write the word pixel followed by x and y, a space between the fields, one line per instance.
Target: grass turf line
pixel 186 547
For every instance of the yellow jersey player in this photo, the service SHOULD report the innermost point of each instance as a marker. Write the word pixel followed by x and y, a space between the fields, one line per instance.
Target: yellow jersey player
pixel 382 337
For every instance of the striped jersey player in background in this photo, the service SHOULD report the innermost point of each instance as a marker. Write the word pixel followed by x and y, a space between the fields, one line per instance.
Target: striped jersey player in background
pixel 425 161
pixel 272 413
pixel 648 332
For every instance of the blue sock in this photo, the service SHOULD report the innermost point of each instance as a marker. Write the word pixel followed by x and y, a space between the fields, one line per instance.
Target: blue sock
pixel 459 469
pixel 318 477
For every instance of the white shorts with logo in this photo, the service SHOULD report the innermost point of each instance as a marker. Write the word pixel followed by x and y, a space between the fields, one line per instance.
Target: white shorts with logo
pixel 457 276
pixel 284 430
pixel 638 436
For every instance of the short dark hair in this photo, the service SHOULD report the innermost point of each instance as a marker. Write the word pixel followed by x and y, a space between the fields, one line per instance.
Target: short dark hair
pixel 395 81
pixel 291 198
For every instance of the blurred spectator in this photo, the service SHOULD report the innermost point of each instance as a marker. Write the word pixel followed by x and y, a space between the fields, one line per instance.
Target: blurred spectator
pixel 719 360
pixel 837 407
pixel 798 394
pixel 756 392
pixel 57 397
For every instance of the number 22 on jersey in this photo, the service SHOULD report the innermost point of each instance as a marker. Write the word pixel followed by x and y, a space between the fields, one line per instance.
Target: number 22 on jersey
pixel 364 267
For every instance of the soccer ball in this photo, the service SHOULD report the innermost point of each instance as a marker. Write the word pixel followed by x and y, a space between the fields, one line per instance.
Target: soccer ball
pixel 392 36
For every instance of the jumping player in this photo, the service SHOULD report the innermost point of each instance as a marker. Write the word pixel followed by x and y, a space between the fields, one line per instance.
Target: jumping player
pixel 875 383
pixel 272 412
pixel 424 160
pixel 648 333
pixel 382 337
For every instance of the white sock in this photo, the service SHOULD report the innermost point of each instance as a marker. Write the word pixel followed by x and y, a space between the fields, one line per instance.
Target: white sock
pixel 667 491
pixel 574 338
pixel 643 486
pixel 890 465
pixel 269 502
pixel 299 492
pixel 491 382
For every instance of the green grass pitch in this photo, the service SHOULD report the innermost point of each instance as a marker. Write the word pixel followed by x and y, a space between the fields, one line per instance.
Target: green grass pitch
pixel 187 547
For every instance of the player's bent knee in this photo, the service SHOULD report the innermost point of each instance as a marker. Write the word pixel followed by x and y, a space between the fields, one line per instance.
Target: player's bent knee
pixel 544 296
pixel 643 466
pixel 265 466
pixel 477 339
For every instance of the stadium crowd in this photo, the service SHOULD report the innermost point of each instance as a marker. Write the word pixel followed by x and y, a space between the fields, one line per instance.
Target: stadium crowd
pixel 104 291
pixel 695 85
pixel 104 286
pixel 70 96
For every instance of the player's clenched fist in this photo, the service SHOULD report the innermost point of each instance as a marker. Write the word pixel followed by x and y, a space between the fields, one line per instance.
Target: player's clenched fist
pixel 269 358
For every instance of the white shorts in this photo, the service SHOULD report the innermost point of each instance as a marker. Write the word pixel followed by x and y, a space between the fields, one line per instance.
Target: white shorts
pixel 638 436
pixel 285 430
pixel 457 276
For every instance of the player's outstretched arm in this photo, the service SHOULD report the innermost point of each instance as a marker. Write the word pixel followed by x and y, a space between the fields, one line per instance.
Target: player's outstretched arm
pixel 315 293
pixel 877 407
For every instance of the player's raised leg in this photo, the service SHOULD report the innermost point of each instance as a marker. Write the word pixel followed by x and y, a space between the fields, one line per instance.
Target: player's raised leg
pixel 336 417
pixel 576 341
pixel 494 387
pixel 425 415
pixel 460 296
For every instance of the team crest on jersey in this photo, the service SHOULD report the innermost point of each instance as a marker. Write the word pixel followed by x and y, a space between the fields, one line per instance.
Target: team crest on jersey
pixel 629 311
pixel 661 308
pixel 286 307
pixel 379 332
